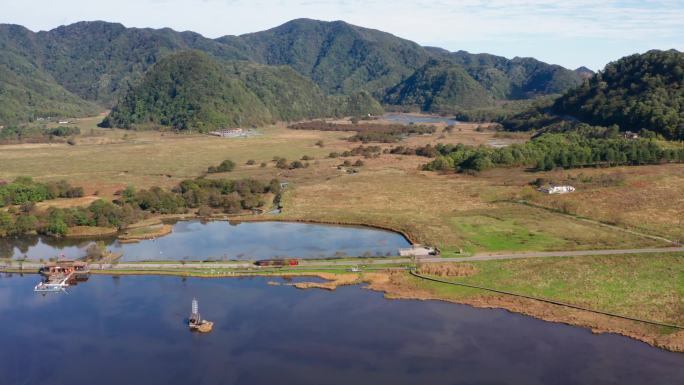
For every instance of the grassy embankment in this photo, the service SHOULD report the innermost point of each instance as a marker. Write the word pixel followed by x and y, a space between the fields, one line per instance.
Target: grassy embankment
pixel 646 287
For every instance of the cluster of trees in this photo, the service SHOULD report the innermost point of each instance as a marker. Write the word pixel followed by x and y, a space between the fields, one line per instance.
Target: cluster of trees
pixel 368 132
pixel 132 205
pixel 390 133
pixel 25 189
pixel 348 163
pixel 428 150
pixel 390 136
pixel 230 196
pixel 503 111
pixel 284 164
pixel 36 134
pixel 225 166
pixel 365 151
pixel 551 150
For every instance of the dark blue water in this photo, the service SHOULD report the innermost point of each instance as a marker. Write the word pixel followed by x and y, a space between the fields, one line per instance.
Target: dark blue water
pixel 418 119
pixel 130 330
pixel 221 240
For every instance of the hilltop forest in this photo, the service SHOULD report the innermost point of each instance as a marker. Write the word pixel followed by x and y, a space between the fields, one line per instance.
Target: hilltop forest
pixel 303 68
pixel 306 69
pixel 640 93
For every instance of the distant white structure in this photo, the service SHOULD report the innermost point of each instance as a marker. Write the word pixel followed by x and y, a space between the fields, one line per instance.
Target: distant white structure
pixel 557 189
pixel 233 133
pixel 417 251
pixel 63 122
pixel 228 133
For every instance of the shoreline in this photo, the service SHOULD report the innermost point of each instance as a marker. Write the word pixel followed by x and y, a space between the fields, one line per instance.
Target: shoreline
pixel 399 285
pixel 167 223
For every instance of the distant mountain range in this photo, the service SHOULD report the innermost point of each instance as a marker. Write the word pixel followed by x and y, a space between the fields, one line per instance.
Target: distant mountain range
pixel 77 69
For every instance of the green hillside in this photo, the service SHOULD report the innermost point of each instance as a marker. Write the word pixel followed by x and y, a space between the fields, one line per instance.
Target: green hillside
pixel 288 95
pixel 517 78
pixel 439 86
pixel 339 57
pixel 636 92
pixel 188 90
pixel 100 61
pixel 26 91
pixel 191 90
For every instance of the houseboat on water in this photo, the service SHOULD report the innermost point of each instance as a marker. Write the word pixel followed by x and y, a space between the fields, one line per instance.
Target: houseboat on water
pixel 64 267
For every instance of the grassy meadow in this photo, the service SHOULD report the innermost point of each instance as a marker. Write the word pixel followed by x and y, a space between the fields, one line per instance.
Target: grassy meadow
pixel 453 212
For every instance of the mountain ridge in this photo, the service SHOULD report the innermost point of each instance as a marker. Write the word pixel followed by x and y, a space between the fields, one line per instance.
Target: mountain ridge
pixel 98 61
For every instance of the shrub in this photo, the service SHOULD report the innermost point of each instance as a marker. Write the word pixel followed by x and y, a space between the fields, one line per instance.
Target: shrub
pixel 225 166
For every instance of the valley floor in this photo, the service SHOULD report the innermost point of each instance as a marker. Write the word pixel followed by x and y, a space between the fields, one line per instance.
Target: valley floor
pixel 495 212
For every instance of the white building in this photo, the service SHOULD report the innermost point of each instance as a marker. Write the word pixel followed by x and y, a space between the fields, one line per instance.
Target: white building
pixel 557 189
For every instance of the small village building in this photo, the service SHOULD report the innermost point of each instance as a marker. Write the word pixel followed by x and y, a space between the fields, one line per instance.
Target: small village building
pixel 557 189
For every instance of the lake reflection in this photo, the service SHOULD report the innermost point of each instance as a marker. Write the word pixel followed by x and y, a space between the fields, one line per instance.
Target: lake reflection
pixel 221 240
pixel 130 330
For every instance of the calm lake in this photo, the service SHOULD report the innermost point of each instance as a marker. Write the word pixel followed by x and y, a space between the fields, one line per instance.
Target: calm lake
pixel 194 240
pixel 131 330
pixel 417 119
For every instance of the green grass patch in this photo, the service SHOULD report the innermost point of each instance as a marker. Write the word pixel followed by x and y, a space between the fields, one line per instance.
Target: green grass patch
pixel 495 234
pixel 643 286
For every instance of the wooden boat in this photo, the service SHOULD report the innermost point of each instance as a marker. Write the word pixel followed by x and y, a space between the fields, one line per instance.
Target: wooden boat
pixel 196 323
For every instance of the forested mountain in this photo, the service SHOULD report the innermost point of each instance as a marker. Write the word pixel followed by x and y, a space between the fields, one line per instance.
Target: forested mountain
pixel 339 57
pixel 192 90
pixel 636 92
pixel 70 69
pixel 26 90
pixel 517 78
pixel 98 60
pixel 441 87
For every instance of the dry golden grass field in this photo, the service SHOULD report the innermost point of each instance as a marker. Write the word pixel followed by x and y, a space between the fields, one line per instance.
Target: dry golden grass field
pixel 450 211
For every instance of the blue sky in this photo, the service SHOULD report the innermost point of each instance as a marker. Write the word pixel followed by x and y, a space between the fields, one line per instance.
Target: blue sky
pixel 570 32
